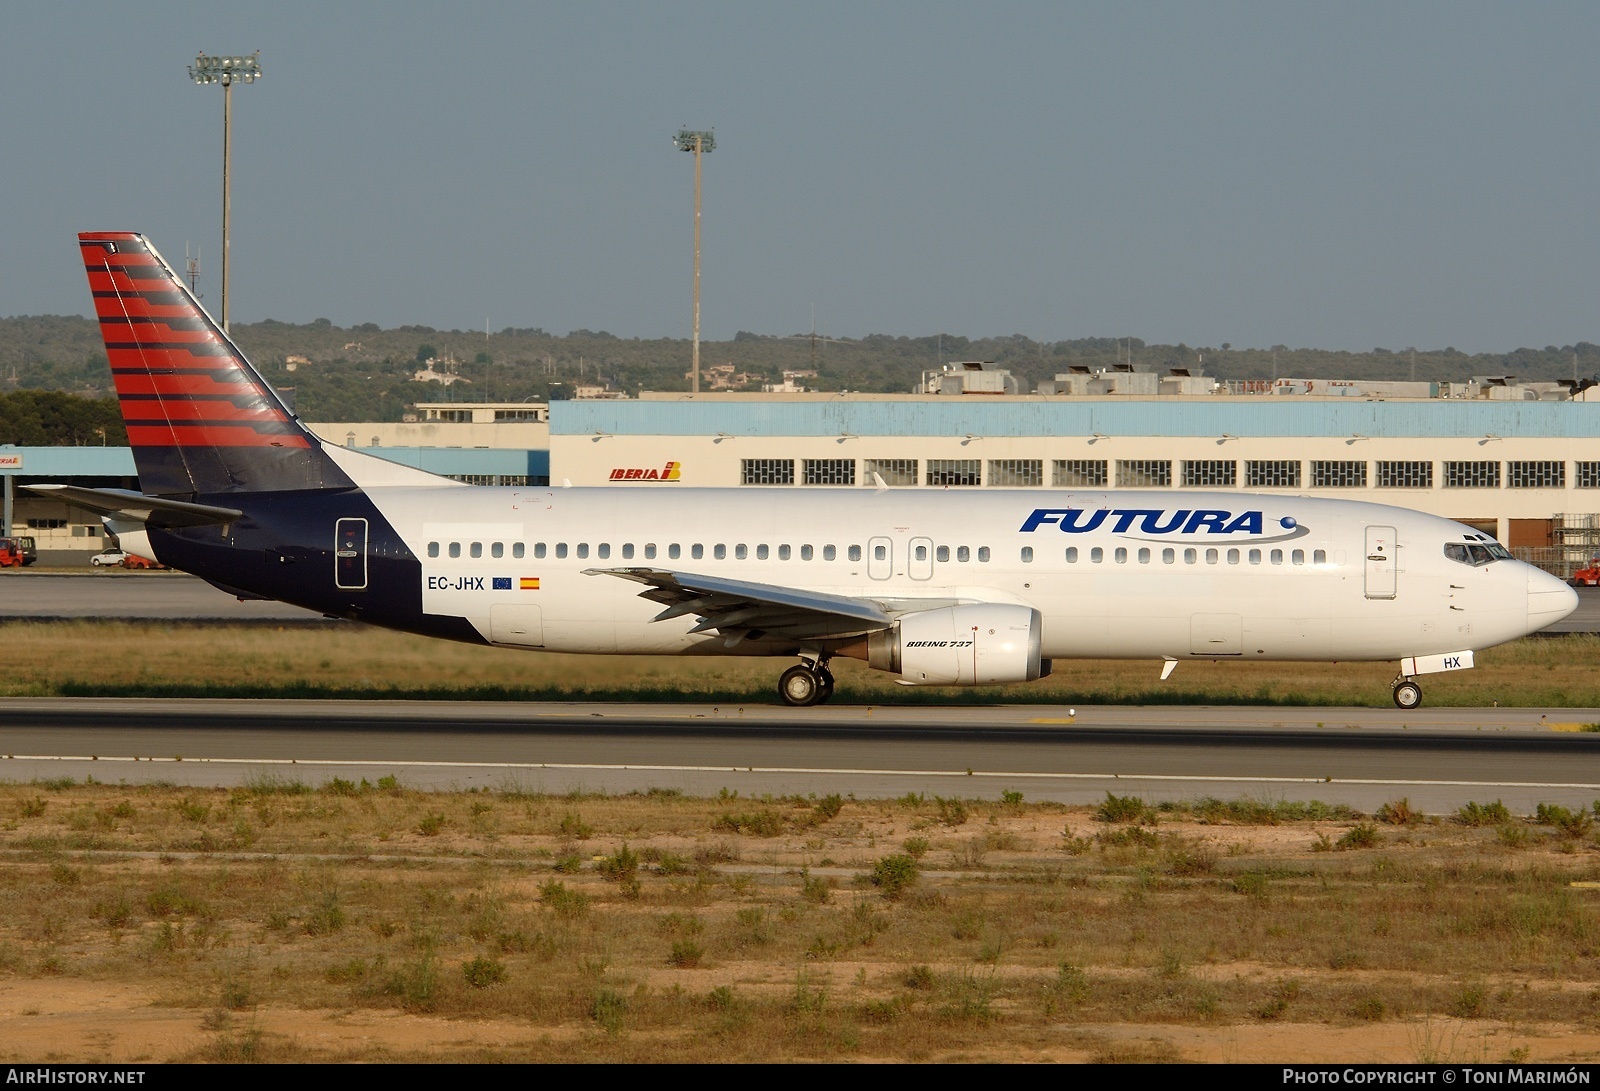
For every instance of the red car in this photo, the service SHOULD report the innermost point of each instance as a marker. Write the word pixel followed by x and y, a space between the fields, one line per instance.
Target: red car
pixel 1587 577
pixel 11 553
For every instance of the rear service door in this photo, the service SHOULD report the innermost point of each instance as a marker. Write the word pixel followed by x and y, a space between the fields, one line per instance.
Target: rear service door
pixel 1380 563
pixel 350 555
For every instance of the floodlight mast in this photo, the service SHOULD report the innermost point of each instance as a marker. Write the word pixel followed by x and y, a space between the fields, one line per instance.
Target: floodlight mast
pixel 226 71
pixel 699 143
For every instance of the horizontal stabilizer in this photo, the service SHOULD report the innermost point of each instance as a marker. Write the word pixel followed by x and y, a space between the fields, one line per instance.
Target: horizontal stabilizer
pixel 153 511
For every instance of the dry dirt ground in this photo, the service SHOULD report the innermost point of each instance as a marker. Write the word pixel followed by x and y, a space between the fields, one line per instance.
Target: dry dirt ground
pixel 369 923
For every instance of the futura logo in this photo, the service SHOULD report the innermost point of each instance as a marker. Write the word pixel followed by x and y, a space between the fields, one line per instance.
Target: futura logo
pixel 1163 523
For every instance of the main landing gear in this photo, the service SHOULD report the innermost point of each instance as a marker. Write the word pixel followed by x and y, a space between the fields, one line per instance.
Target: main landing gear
pixel 1407 694
pixel 808 683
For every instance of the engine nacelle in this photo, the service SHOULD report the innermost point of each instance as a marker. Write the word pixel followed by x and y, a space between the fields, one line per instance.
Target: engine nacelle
pixel 973 645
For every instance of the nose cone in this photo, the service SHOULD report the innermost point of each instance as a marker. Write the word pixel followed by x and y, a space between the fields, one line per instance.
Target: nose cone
pixel 1549 599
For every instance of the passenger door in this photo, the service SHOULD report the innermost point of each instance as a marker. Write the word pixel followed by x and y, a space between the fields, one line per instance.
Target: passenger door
pixel 350 555
pixel 1381 579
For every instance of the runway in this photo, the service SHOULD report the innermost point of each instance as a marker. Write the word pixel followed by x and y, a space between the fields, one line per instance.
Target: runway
pixel 1438 758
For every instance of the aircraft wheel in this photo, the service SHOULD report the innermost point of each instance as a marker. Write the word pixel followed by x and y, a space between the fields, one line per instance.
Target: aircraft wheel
pixel 799 686
pixel 1407 695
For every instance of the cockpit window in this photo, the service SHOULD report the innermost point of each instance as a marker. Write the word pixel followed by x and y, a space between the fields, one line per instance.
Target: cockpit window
pixel 1471 553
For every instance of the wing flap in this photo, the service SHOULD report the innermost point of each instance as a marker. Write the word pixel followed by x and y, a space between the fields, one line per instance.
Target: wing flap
pixel 740 609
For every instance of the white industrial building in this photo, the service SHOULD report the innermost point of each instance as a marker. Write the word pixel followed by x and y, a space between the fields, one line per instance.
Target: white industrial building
pixel 1513 468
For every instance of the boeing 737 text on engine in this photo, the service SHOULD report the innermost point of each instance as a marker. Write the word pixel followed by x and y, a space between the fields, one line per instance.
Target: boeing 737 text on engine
pixel 934 587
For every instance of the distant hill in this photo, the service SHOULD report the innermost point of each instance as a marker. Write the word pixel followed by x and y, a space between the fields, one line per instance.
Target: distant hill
pixel 366 373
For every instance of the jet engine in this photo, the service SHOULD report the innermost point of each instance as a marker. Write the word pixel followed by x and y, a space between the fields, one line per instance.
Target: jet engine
pixel 972 645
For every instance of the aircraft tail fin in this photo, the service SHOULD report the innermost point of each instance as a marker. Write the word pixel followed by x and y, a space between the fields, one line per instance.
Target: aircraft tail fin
pixel 201 419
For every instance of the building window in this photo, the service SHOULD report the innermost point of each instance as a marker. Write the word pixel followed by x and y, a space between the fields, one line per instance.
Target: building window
pixel 518 415
pixel 893 471
pixel 1536 475
pixel 1274 474
pixel 954 471
pixel 1210 473
pixel 1015 473
pixel 830 471
pixel 1472 475
pixel 766 471
pixel 1144 473
pixel 1405 475
pixel 1078 473
pixel 1588 474
pixel 1338 475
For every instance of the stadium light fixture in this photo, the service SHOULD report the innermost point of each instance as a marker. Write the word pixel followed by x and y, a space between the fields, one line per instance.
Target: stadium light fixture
pixel 226 71
pixel 699 143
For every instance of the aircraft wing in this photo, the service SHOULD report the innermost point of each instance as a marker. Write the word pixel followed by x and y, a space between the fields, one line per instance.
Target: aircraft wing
pixel 739 609
pixel 151 510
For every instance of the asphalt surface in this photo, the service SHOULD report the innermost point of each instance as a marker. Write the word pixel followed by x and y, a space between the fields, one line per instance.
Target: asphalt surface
pixel 1437 758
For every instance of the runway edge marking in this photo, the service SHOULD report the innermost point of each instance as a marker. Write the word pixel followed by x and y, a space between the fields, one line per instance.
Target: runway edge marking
pixel 953 773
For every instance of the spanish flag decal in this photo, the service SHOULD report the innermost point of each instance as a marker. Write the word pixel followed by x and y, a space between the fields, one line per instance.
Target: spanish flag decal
pixel 530 583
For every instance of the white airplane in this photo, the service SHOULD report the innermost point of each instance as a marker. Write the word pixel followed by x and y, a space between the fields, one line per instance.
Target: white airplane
pixel 935 588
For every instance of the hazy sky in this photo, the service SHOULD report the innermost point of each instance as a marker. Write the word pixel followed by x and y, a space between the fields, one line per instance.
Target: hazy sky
pixel 1332 175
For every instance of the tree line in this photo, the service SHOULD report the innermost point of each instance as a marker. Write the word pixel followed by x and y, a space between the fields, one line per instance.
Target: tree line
pixel 364 372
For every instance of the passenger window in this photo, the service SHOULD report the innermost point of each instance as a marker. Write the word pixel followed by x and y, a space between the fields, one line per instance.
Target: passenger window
pixel 1319 557
pixel 433 549
pixel 761 552
pixel 783 553
pixel 1298 556
pixel 1072 554
pixel 805 553
pixel 477 550
pixel 1144 555
pixel 674 551
pixel 697 551
pixel 720 552
pixel 741 552
pixel 963 554
pixel 455 549
pixel 561 550
pixel 829 553
pixel 627 551
pixel 921 552
pixel 497 550
pixel 1255 556
pixel 1233 556
pixel 1211 556
pixel 880 553
pixel 983 554
pixel 518 549
pixel 538 550
pixel 603 550
pixel 583 550
pixel 1190 556
pixel 649 551
pixel 855 553
pixel 1027 554
pixel 1168 555
pixel 942 553
pixel 1121 555
pixel 1277 556
pixel 1097 554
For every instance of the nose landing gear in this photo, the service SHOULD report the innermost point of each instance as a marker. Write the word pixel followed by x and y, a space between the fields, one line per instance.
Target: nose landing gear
pixel 1407 694
pixel 808 683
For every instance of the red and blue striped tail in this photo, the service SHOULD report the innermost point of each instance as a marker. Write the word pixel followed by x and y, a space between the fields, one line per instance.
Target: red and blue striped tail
pixel 200 419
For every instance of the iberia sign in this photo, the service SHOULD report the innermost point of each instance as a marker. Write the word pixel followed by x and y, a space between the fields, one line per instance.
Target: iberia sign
pixel 14 462
pixel 669 472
